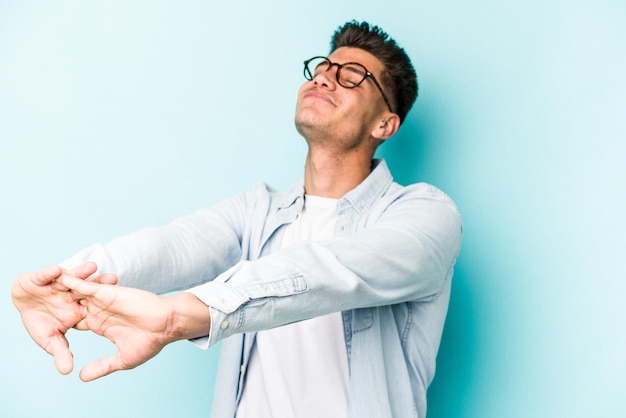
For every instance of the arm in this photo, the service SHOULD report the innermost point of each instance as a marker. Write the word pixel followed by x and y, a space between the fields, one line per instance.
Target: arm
pixel 191 250
pixel 407 254
pixel 403 249
pixel 187 252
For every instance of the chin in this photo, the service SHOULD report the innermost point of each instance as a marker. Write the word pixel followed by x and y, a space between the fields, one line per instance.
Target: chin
pixel 310 127
pixel 304 127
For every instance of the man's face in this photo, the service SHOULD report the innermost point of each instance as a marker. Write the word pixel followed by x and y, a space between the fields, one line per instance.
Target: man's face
pixel 326 110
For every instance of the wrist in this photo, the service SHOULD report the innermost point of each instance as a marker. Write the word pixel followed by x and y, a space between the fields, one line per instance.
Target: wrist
pixel 191 318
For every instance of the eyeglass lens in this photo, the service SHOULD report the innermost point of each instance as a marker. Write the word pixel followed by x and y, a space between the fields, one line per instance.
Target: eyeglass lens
pixel 348 75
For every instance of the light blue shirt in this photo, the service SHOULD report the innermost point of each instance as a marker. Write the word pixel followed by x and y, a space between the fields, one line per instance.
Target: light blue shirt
pixel 388 269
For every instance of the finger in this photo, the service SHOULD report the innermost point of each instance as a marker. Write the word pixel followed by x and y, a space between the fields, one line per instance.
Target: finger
pixel 45 275
pixel 84 270
pixel 63 358
pixel 106 278
pixel 83 324
pixel 79 286
pixel 100 368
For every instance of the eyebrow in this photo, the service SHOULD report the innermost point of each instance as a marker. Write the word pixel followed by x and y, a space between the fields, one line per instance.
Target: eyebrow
pixel 355 69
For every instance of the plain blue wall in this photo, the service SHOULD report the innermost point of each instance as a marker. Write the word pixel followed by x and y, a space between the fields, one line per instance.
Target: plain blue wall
pixel 118 115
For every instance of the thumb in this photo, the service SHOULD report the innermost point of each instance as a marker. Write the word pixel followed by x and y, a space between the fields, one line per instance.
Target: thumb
pixel 60 350
pixel 101 367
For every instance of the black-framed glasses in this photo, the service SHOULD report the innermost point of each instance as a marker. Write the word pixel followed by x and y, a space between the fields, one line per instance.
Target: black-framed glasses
pixel 349 75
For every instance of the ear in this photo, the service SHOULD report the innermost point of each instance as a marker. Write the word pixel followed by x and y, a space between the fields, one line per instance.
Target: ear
pixel 387 127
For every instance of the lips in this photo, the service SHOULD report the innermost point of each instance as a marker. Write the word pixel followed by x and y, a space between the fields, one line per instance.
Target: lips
pixel 314 94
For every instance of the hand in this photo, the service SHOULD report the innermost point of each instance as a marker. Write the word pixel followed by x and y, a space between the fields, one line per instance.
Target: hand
pixel 138 322
pixel 48 309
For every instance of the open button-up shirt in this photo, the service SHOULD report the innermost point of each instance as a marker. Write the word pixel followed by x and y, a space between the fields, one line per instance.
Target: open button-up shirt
pixel 388 270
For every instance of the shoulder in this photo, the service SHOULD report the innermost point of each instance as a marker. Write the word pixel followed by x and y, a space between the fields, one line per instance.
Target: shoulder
pixel 422 205
pixel 417 193
pixel 381 187
pixel 424 191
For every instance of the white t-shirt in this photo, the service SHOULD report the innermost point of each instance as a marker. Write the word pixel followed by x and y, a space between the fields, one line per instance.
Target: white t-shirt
pixel 300 370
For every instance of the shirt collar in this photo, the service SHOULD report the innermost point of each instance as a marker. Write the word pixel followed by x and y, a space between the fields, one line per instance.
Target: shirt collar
pixel 294 194
pixel 362 197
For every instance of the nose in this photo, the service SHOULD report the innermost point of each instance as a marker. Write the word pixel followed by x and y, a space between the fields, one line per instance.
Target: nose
pixel 327 78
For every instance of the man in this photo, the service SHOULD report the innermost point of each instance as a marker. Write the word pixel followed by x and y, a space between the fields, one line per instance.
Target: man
pixel 329 298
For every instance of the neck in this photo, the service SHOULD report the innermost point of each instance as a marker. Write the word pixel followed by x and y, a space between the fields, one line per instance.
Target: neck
pixel 328 174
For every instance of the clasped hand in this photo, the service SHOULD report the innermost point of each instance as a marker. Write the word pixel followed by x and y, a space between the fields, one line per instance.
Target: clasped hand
pixel 138 322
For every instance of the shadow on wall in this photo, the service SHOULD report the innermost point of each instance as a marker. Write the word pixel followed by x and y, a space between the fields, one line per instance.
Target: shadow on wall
pixel 406 152
pixel 410 155
pixel 457 356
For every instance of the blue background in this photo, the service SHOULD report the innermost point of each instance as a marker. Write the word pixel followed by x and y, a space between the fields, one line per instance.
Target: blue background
pixel 118 115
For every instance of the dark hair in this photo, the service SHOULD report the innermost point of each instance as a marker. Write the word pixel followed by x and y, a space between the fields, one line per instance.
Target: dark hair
pixel 398 76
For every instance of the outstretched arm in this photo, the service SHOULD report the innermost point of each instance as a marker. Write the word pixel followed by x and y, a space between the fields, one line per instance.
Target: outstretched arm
pixel 49 310
pixel 138 322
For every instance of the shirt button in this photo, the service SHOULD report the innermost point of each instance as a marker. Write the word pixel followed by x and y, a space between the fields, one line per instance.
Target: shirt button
pixel 224 324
